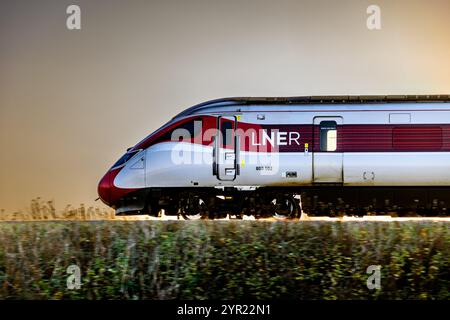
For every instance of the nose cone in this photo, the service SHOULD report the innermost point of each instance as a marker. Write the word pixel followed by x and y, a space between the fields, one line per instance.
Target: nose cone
pixel 104 188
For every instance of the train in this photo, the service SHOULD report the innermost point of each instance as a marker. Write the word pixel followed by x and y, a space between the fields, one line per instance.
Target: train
pixel 281 156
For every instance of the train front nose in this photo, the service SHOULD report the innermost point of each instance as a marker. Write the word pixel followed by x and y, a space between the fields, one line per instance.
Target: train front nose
pixel 104 188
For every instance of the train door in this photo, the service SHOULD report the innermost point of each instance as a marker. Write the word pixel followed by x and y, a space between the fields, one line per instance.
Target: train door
pixel 327 160
pixel 226 149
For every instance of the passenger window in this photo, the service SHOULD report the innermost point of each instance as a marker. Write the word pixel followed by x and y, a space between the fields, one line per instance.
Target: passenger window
pixel 328 136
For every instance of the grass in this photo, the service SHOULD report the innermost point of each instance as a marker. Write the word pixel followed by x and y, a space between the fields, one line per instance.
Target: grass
pixel 45 210
pixel 224 260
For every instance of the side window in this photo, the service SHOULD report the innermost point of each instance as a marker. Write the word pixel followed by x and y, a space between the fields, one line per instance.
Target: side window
pixel 226 129
pixel 184 131
pixel 193 127
pixel 328 136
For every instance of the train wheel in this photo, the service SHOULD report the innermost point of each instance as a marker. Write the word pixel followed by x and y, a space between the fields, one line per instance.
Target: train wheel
pixel 152 208
pixel 284 207
pixel 193 208
pixel 248 207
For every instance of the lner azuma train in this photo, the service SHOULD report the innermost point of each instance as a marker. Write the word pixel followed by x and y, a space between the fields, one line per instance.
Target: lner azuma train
pixel 349 155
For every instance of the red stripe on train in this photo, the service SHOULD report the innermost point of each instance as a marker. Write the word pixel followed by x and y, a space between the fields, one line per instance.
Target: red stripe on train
pixel 350 138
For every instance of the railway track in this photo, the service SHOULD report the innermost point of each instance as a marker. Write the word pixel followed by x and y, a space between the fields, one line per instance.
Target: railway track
pixel 303 217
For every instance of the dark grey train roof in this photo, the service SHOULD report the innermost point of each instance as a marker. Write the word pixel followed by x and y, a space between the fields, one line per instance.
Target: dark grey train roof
pixel 309 100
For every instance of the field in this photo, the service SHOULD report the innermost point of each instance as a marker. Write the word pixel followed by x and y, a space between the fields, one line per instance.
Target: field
pixel 224 259
pixel 40 209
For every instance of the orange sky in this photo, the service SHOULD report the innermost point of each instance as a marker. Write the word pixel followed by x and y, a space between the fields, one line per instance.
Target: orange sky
pixel 71 102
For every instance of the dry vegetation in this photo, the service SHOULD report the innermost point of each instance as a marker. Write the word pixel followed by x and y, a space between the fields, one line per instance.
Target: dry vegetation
pixel 217 259
pixel 46 210
pixel 224 260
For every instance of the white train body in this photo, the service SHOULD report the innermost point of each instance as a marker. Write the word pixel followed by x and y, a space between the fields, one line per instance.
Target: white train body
pixel 303 142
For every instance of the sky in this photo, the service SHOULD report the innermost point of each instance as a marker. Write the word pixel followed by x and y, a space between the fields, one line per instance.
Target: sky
pixel 72 101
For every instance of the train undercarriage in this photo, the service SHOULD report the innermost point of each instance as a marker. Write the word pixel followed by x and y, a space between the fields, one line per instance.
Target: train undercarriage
pixel 288 202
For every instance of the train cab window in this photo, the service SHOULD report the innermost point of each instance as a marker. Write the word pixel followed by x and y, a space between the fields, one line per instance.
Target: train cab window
pixel 124 159
pixel 192 128
pixel 226 130
pixel 328 136
pixel 184 131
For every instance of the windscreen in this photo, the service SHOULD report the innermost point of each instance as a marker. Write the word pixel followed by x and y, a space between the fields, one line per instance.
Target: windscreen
pixel 127 156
